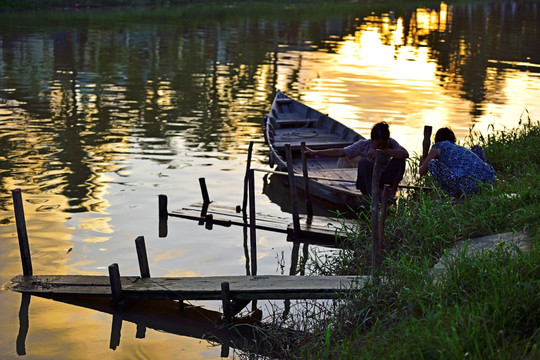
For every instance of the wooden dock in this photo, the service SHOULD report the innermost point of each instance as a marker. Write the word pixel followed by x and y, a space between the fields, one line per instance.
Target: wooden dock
pixel 260 287
pixel 235 292
pixel 319 229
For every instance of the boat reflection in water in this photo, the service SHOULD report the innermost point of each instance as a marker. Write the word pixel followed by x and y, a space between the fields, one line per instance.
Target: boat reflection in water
pixel 275 187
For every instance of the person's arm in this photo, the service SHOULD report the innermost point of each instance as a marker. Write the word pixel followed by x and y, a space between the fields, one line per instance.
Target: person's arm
pixel 433 154
pixel 333 152
pixel 400 153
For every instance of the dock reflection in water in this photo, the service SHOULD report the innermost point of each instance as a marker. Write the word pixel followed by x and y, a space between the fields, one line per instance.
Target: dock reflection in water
pixel 168 316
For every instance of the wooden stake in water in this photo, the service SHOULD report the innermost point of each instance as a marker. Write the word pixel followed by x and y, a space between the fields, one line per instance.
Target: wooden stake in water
pixel 21 232
pixel 163 216
pixel 116 285
pixel 204 191
pixel 142 257
pixel 162 206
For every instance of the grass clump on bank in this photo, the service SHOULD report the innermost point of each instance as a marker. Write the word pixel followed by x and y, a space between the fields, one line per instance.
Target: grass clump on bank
pixel 485 306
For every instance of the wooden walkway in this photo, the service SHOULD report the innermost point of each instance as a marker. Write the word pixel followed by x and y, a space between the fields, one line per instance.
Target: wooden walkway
pixel 318 229
pixel 271 287
pixel 235 292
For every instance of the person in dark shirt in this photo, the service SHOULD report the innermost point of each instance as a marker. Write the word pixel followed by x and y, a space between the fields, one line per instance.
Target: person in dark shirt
pixel 392 158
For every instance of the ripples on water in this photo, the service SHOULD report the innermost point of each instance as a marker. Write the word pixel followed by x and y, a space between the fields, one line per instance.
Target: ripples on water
pixel 100 114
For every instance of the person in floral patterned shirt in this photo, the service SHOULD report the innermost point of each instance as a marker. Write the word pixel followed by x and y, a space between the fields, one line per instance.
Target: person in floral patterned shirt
pixel 456 169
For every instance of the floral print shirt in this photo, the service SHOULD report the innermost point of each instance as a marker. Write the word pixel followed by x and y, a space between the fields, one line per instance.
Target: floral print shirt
pixel 463 162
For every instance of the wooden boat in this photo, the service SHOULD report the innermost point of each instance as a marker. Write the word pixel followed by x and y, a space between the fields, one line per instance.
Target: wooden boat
pixel 291 122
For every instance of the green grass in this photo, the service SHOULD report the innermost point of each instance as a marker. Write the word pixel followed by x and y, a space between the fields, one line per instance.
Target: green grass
pixel 484 307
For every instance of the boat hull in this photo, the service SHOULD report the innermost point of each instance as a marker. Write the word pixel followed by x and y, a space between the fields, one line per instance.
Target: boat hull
pixel 291 123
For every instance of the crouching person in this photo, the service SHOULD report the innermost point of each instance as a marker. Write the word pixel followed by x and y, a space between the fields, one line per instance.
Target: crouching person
pixel 456 169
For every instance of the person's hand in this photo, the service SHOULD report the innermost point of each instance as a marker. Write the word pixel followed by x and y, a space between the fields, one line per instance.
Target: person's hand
pixel 309 152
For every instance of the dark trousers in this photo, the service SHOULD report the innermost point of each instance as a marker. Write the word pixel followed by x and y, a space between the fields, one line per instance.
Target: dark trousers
pixel 394 171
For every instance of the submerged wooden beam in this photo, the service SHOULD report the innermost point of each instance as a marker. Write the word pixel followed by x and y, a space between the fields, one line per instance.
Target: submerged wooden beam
pixel 191 288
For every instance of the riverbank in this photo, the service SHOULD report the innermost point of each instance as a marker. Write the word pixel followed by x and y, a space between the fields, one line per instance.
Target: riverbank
pixel 33 5
pixel 486 306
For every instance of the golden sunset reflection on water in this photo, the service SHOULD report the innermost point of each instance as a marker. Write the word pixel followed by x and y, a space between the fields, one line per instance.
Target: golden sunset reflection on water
pixel 382 74
pixel 98 119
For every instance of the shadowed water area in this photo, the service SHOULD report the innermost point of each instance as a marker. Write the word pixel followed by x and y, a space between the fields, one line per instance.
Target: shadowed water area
pixel 103 110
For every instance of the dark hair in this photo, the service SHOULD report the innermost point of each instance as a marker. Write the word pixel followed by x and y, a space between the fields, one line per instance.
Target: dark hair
pixel 380 131
pixel 445 134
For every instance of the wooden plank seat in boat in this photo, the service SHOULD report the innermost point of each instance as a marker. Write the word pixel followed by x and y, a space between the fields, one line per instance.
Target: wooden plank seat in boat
pixel 315 137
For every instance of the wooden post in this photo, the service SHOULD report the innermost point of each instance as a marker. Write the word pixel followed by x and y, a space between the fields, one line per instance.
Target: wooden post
pixel 380 235
pixel 309 207
pixel 209 221
pixel 225 350
pixel 21 232
pixel 116 285
pixel 375 211
pixel 163 215
pixel 252 222
pixel 23 324
pixel 204 191
pixel 426 143
pixel 292 191
pixel 226 302
pixel 141 331
pixel 142 256
pixel 246 179
pixel 162 206
pixel 294 258
pixel 116 330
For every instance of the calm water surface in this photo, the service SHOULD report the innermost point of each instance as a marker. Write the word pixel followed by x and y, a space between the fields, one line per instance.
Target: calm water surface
pixel 102 111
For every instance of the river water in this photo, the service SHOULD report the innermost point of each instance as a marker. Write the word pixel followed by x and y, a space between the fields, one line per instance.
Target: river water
pixel 102 111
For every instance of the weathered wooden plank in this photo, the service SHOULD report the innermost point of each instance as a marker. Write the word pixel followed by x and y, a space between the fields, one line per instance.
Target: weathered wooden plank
pixel 267 220
pixel 192 288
